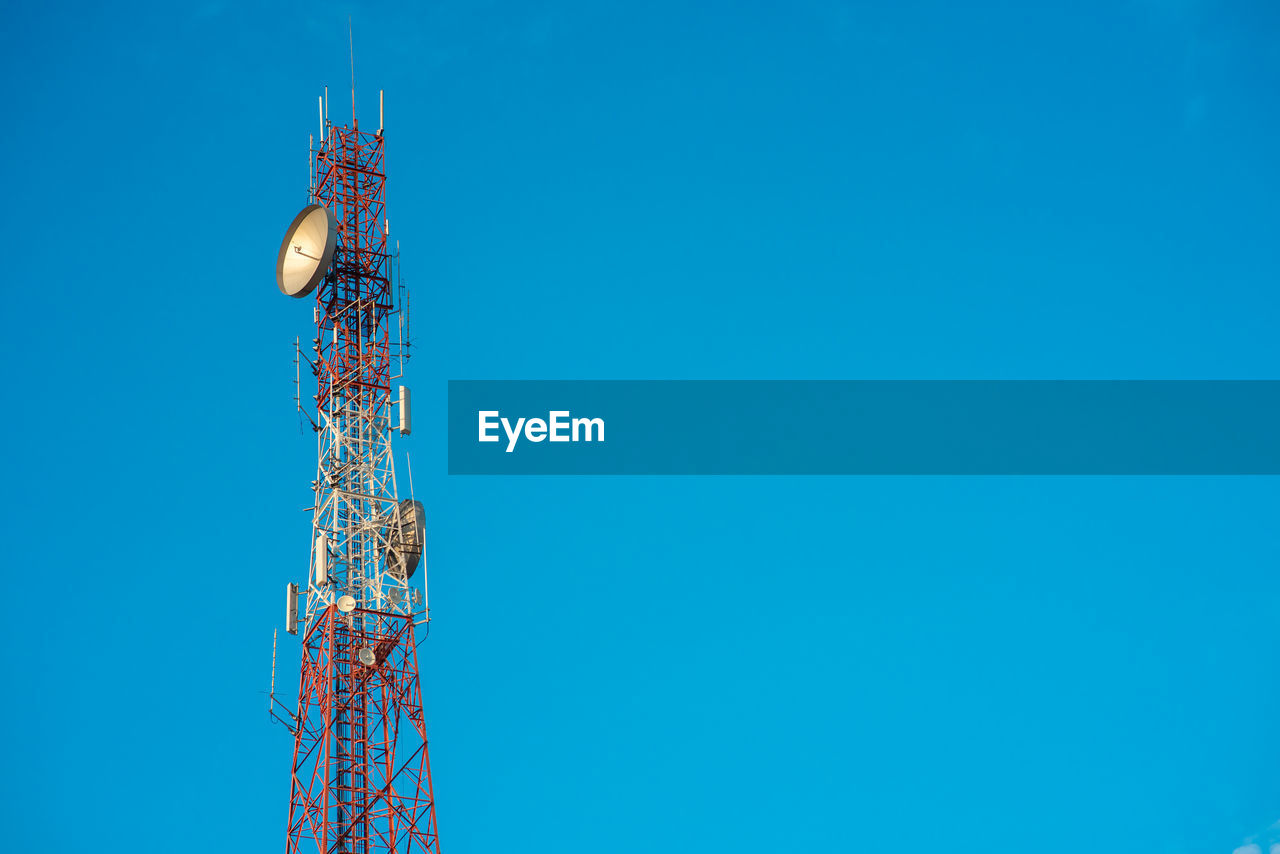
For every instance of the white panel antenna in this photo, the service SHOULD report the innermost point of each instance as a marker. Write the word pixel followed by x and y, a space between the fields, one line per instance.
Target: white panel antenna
pixel 406 417
pixel 322 559
pixel 291 608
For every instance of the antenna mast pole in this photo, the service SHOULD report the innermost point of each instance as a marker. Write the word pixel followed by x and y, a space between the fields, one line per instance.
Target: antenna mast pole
pixel 361 780
pixel 351 45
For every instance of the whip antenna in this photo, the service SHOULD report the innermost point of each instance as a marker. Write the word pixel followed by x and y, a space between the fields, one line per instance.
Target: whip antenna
pixel 351 45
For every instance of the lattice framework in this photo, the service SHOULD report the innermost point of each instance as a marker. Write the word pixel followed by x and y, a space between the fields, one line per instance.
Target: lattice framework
pixel 361 780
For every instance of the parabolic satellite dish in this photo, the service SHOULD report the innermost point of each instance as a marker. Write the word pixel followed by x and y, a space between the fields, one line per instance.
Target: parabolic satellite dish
pixel 306 251
pixel 409 539
pixel 346 604
pixel 366 656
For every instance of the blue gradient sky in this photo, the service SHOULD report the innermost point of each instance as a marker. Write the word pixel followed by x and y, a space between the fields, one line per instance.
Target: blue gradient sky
pixel 661 190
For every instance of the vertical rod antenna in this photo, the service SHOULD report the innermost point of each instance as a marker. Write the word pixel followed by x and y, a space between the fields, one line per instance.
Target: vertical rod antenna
pixel 351 44
pixel 402 309
pixel 409 465
pixel 271 697
pixel 404 295
pixel 408 462
pixel 381 125
pixel 297 378
pixel 320 99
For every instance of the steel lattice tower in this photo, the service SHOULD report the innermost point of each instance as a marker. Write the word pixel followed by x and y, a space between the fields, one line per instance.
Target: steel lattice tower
pixel 361 780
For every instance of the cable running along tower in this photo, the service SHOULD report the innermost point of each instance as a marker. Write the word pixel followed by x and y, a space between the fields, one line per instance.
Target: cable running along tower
pixel 361 780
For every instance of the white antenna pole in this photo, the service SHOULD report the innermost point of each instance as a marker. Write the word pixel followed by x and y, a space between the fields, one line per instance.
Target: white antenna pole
pixel 426 601
pixel 320 98
pixel 380 112
pixel 297 376
pixel 271 698
pixel 351 43
pixel 409 465
pixel 408 462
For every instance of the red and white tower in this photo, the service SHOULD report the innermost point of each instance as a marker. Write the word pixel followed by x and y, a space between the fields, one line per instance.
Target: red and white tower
pixel 361 780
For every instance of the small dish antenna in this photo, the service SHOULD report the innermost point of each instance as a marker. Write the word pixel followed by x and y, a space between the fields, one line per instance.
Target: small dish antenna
pixel 306 252
pixel 366 656
pixel 346 604
pixel 395 596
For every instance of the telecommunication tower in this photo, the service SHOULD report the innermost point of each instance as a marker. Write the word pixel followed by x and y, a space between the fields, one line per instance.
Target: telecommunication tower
pixel 361 780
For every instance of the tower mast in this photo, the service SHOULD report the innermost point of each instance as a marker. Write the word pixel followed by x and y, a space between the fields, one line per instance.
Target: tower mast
pixel 361 780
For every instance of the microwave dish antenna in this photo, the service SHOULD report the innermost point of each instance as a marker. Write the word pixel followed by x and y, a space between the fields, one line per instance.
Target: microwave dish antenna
pixel 306 251
pixel 407 539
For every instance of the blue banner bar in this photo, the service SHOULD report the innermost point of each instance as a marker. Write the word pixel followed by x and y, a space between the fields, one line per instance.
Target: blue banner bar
pixel 713 427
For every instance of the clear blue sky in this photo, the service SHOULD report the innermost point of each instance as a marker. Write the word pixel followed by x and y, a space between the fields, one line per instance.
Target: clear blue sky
pixel 657 190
